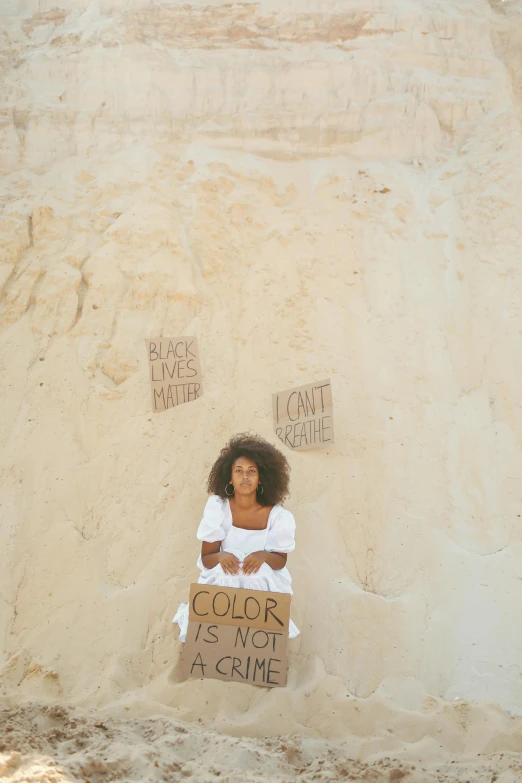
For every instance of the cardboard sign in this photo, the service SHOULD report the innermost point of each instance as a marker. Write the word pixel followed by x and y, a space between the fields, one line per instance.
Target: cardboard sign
pixel 303 417
pixel 236 634
pixel 175 372
pixel 232 652
pixel 237 606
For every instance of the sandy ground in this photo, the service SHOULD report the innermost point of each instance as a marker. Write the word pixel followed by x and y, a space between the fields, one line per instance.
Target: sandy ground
pixel 53 744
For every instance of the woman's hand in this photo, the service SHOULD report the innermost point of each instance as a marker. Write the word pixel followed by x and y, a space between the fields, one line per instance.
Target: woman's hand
pixel 229 563
pixel 254 561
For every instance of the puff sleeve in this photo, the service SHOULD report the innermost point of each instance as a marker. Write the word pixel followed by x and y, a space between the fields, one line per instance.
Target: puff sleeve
pixel 211 528
pixel 281 537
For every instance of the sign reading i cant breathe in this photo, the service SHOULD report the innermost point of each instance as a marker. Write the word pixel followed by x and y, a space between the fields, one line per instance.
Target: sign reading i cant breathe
pixel 237 634
pixel 175 372
pixel 303 417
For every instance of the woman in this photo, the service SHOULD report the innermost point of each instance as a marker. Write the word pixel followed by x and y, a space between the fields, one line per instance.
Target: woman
pixel 245 533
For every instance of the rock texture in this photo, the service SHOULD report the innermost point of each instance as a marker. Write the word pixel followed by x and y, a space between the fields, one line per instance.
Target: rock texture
pixel 313 193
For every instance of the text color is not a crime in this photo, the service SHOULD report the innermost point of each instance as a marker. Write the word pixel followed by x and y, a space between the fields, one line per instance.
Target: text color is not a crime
pixel 237 634
pixel 303 416
pixel 175 371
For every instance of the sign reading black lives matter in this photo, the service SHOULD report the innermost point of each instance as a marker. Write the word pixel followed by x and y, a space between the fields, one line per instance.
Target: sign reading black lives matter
pixel 175 372
pixel 237 634
pixel 303 417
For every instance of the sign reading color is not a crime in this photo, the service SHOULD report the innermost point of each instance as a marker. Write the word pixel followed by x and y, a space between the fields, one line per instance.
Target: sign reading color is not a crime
pixel 175 372
pixel 237 634
pixel 303 417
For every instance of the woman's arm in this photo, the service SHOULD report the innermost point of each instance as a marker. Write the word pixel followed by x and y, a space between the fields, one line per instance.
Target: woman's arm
pixel 210 553
pixel 211 556
pixel 276 560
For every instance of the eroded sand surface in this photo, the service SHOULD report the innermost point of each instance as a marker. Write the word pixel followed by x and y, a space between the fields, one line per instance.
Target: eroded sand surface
pixel 55 745
pixel 314 193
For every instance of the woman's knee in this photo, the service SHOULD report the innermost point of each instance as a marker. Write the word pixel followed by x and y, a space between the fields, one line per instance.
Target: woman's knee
pixel 213 573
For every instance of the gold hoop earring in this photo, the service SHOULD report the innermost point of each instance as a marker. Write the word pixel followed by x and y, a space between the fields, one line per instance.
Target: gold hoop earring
pixel 229 494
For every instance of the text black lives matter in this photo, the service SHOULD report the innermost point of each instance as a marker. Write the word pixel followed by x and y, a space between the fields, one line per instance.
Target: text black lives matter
pixel 173 360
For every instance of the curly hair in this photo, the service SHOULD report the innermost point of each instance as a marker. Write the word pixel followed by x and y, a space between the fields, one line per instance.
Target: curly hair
pixel 273 467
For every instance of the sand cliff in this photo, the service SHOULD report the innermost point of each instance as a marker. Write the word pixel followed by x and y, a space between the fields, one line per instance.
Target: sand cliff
pixel 330 193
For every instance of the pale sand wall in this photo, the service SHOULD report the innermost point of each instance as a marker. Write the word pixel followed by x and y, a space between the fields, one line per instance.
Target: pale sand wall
pixel 312 195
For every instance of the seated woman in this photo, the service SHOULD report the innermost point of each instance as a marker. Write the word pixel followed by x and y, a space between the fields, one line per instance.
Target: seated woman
pixel 245 533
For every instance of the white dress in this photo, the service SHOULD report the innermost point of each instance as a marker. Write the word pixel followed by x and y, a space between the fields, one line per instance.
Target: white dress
pixel 217 525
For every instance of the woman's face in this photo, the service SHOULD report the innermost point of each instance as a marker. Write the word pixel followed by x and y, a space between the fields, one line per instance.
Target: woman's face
pixel 245 476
